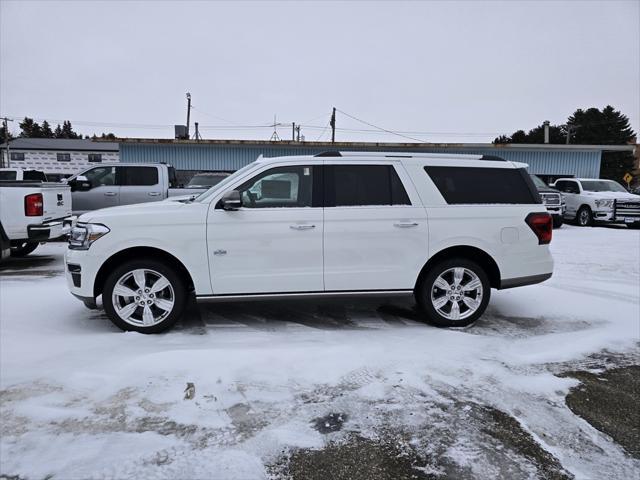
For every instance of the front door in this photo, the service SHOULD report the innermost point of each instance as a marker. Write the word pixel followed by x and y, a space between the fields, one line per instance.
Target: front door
pixel 375 235
pixel 104 191
pixel 273 243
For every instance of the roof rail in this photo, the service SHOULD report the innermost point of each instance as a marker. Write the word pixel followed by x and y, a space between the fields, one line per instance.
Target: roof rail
pixel 492 157
pixel 328 154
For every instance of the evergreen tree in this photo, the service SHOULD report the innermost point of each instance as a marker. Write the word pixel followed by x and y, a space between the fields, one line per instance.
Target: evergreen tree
pixel 4 133
pixel 30 129
pixel 46 130
pixel 588 127
pixel 58 132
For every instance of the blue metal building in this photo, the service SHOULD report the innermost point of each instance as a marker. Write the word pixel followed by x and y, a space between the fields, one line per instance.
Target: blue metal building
pixel 545 159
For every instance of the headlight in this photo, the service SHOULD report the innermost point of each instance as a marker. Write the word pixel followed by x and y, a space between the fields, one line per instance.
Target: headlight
pixel 83 235
pixel 604 203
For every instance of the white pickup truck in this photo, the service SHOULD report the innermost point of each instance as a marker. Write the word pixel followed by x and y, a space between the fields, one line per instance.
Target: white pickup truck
pixel 33 212
pixel 111 185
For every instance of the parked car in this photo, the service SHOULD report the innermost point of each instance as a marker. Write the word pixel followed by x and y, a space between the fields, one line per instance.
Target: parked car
pixel 592 200
pixel 33 212
pixel 19 174
pixel 444 228
pixel 552 199
pixel 110 185
pixel 206 180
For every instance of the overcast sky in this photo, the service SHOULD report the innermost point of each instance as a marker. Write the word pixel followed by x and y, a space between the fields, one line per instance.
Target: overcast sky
pixel 453 71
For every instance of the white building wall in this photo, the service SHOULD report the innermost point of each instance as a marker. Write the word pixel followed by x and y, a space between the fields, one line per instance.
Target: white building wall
pixel 47 160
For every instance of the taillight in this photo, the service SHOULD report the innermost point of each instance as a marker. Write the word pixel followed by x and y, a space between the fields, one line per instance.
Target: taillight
pixel 542 226
pixel 33 206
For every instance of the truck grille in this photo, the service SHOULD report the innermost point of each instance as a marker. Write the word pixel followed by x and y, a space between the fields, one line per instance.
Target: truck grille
pixel 550 198
pixel 627 209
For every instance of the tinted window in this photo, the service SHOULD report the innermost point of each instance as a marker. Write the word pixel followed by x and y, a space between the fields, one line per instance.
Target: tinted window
pixel 567 186
pixel 34 175
pixel 357 185
pixel 484 185
pixel 602 186
pixel 138 176
pixel 64 157
pixel 7 175
pixel 279 187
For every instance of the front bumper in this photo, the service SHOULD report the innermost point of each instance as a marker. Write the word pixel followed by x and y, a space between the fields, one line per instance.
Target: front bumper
pixel 49 230
pixel 80 271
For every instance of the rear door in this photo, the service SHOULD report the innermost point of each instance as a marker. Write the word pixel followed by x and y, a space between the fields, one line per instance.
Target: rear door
pixel 104 191
pixel 375 228
pixel 139 184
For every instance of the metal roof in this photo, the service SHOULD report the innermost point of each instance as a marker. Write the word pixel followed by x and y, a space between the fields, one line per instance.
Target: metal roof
pixel 385 145
pixel 64 144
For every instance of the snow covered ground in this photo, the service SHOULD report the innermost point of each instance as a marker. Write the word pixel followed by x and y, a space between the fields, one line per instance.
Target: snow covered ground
pixel 80 399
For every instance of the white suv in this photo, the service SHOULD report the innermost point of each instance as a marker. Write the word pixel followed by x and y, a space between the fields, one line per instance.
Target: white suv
pixel 445 228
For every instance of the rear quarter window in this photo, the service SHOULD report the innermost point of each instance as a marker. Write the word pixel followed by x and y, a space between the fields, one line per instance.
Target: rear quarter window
pixel 478 185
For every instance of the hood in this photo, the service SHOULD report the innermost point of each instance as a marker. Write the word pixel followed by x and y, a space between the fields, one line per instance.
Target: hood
pixel 616 195
pixel 141 210
pixel 548 190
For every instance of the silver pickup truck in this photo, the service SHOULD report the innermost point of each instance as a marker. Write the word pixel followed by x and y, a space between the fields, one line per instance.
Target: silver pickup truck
pixel 110 185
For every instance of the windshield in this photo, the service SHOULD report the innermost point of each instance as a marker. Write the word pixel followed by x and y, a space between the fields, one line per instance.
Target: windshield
pixel 237 174
pixel 201 181
pixel 537 181
pixel 601 186
pixel 7 175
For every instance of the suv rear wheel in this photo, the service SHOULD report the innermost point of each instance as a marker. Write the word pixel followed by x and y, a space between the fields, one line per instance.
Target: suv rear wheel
pixel 144 296
pixel 454 293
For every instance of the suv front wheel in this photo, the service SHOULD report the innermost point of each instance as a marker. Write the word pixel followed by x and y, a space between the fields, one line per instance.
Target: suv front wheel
pixel 144 296
pixel 454 293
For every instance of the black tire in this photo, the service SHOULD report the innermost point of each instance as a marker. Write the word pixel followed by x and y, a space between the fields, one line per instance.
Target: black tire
pixel 635 226
pixel 427 286
pixel 584 217
pixel 557 221
pixel 22 249
pixel 176 282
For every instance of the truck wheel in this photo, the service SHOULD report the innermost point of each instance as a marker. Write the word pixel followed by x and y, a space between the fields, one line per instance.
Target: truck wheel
pixel 22 249
pixel 557 221
pixel 584 217
pixel 635 226
pixel 144 296
pixel 454 293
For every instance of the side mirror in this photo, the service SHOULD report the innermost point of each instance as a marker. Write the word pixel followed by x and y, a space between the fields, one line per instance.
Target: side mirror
pixel 80 183
pixel 231 200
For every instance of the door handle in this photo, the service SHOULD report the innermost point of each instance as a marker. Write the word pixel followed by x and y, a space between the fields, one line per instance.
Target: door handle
pixel 110 194
pixel 405 224
pixel 154 194
pixel 302 227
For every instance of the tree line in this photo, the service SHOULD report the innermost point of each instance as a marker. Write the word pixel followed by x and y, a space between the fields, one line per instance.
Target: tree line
pixel 29 128
pixel 588 127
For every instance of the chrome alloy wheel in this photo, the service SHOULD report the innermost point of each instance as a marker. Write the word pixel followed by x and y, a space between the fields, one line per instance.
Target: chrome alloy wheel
pixel 456 293
pixel 143 297
pixel 584 218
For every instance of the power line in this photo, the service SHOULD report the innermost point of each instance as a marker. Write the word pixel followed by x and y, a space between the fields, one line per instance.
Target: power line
pixel 380 128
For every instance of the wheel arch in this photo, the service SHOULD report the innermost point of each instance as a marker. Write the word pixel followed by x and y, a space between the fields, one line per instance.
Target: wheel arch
pixel 474 254
pixel 136 253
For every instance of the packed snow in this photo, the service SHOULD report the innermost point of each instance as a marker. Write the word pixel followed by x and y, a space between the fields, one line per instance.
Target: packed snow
pixel 80 399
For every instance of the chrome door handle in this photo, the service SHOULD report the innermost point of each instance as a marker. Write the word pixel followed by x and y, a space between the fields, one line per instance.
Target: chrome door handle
pixel 405 224
pixel 302 227
pixel 154 194
pixel 110 194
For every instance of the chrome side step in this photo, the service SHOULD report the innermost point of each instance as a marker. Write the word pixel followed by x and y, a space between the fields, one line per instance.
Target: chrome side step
pixel 302 295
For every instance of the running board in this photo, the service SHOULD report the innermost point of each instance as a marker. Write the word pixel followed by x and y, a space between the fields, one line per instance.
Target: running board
pixel 302 295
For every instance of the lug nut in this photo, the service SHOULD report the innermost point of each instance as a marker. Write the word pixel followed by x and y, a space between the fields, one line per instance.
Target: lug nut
pixel 137 298
pixel 141 303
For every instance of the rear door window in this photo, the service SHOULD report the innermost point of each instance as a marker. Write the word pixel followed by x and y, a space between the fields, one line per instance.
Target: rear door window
pixel 478 185
pixel 139 176
pixel 363 185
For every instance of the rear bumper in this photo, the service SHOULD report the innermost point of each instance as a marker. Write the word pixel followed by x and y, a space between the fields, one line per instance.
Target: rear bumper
pixel 49 230
pixel 523 281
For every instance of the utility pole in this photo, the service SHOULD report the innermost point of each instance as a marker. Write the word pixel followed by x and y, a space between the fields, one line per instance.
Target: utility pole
pixel 6 140
pixel 333 125
pixel 188 112
pixel 298 132
pixel 274 135
pixel 293 131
